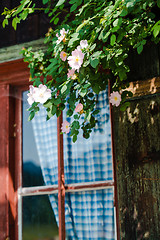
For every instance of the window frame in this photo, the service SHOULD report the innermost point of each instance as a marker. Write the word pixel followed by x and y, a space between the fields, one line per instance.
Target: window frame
pixel 14 83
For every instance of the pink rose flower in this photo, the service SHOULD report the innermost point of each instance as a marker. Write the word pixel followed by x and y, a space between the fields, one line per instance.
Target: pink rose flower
pixel 42 94
pixel 65 127
pixel 115 98
pixel 83 44
pixel 79 107
pixel 38 94
pixel 30 95
pixel 71 74
pixel 75 61
pixel 62 36
pixel 63 56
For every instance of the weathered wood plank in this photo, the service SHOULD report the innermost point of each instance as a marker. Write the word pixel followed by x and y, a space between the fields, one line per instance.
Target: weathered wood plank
pixel 145 65
pixel 14 72
pixel 137 152
pixel 4 157
pixel 13 52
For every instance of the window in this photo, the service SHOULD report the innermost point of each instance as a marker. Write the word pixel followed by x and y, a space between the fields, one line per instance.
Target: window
pixel 80 197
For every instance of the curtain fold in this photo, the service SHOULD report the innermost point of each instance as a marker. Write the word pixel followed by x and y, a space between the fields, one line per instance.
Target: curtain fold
pixel 89 214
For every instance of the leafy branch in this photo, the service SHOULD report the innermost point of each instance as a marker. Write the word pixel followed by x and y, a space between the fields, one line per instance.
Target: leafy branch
pixel 110 29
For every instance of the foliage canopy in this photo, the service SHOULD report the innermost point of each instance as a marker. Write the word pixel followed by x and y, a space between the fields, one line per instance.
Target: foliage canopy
pixel 111 29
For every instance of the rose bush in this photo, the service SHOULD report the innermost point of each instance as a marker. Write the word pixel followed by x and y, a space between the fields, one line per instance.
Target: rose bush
pixel 89 46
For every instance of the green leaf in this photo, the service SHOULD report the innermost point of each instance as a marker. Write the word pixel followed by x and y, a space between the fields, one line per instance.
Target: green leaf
pixel 92 47
pixel 95 112
pixel 124 106
pixel 96 54
pixel 91 95
pixel 140 48
pixel 85 64
pixel 130 4
pixel 14 22
pixel 69 113
pixel 96 88
pixel 21 7
pixel 58 112
pixel 74 37
pixel 156 30
pixel 115 23
pixel 158 3
pixel 76 116
pixel 45 1
pixel 56 20
pixel 53 63
pixel 72 1
pixel 53 109
pixel 31 115
pixel 74 138
pixel 122 74
pixel 47 104
pixel 60 2
pixel 94 62
pixel 24 14
pixel 74 7
pixel 83 92
pixel 113 39
pixel 114 29
pixel 63 89
pixel 75 125
pixel 82 25
pixel 5 22
pixel 49 115
pixel 86 135
pixel 57 101
pixel 124 12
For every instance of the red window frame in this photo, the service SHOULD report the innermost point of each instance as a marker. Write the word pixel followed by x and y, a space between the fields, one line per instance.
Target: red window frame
pixel 14 77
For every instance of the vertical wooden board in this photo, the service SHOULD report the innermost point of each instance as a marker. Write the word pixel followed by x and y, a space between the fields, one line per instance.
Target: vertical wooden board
pixel 138 62
pixel 137 153
pixel 8 35
pixel 28 29
pixel 12 174
pixel 44 24
pixel 4 160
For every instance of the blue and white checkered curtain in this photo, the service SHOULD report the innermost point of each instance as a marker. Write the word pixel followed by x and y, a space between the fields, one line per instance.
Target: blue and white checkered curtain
pixel 89 215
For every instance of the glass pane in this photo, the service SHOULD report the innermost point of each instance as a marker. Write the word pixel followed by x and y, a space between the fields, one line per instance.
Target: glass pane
pixel 32 174
pixel 89 160
pixel 90 215
pixel 39 148
pixel 38 219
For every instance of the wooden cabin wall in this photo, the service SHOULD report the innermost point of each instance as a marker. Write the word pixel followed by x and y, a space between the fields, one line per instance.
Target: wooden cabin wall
pixel 146 65
pixel 137 153
pixel 33 28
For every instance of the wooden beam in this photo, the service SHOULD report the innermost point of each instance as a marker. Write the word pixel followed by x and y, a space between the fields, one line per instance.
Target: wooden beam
pixel 14 72
pixel 13 52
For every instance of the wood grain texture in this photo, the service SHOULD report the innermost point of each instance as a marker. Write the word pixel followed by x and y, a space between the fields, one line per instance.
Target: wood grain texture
pixel 144 88
pixel 34 27
pixel 4 158
pixel 137 154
